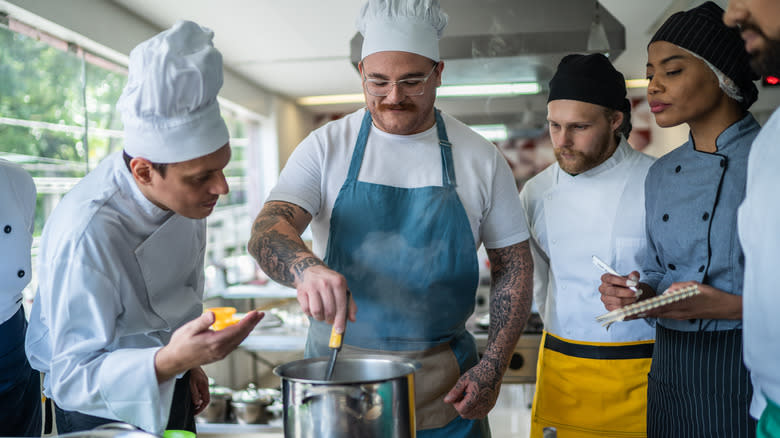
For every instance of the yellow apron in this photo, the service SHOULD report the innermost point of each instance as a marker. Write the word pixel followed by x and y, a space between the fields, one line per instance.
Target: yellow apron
pixel 591 389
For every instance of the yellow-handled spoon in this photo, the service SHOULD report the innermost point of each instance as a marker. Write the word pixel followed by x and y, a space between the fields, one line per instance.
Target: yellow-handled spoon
pixel 335 342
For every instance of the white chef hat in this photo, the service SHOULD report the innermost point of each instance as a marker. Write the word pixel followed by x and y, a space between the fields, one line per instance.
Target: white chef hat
pixel 413 26
pixel 169 105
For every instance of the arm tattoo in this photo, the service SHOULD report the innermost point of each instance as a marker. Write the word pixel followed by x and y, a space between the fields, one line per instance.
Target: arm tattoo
pixel 276 253
pixel 301 266
pixel 276 244
pixel 511 269
pixel 281 210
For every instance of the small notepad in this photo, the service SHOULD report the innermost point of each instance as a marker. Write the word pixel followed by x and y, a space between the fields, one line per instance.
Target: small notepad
pixel 648 304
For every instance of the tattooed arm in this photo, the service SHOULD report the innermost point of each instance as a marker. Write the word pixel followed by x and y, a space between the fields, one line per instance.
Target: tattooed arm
pixel 511 270
pixel 277 246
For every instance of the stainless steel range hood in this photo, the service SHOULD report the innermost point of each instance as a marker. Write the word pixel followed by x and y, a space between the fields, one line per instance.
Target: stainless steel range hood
pixel 493 41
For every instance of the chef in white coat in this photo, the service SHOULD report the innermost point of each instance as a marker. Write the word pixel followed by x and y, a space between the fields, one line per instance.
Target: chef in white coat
pixel 117 326
pixel 758 227
pixel 20 403
pixel 591 382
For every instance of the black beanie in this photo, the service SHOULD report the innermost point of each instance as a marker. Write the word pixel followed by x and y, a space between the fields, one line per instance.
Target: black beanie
pixel 591 79
pixel 701 30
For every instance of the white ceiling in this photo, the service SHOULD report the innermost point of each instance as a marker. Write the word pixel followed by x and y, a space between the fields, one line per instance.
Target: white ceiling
pixel 301 47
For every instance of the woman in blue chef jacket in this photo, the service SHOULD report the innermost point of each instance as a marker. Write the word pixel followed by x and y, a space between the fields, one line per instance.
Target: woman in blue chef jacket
pixel 20 394
pixel 699 75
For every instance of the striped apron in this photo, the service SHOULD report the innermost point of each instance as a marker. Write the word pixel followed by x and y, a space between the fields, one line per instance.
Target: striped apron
pixel 698 386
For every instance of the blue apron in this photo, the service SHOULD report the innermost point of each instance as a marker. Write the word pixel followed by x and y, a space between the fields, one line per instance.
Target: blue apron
pixel 20 386
pixel 409 258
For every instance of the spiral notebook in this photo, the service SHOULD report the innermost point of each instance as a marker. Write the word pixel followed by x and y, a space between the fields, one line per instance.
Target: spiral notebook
pixel 648 304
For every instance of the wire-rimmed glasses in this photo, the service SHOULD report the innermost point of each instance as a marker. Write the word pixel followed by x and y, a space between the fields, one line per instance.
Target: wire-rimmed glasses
pixel 409 86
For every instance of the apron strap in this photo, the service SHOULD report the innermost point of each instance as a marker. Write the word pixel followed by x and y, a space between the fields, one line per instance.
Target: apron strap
pixel 360 147
pixel 447 166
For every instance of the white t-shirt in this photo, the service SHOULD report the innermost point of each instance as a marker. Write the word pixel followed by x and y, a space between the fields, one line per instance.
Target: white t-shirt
pixel 317 168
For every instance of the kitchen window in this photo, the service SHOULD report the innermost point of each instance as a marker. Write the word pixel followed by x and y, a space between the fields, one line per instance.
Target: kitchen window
pixel 58 120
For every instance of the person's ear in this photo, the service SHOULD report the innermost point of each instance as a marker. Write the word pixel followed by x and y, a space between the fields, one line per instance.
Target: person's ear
pixel 617 120
pixel 142 170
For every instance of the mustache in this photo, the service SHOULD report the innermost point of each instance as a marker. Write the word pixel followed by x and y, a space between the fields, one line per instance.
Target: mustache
pixel 744 26
pixel 399 106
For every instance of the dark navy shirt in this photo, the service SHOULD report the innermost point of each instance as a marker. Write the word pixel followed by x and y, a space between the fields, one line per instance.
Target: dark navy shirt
pixel 691 201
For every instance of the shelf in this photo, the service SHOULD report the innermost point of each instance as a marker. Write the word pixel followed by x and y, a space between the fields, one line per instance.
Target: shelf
pixel 274 340
pixel 268 290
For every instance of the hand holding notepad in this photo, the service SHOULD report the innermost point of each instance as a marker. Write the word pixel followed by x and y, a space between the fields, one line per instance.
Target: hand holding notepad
pixel 648 304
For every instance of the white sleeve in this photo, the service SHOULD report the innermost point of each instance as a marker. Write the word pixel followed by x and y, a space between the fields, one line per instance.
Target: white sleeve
pixel 504 223
pixel 81 308
pixel 300 182
pixel 541 261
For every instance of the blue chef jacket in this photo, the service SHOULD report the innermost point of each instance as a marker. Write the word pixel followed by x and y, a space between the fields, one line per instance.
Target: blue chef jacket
pixel 691 201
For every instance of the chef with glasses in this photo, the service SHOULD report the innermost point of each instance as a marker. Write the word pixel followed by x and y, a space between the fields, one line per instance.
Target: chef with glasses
pixel 399 196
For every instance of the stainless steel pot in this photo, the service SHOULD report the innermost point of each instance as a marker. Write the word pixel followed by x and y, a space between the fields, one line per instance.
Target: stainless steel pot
pixel 217 409
pixel 249 405
pixel 368 396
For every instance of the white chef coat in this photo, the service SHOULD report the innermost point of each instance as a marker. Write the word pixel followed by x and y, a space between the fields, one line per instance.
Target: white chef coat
pixel 317 168
pixel 571 218
pixel 17 221
pixel 759 234
pixel 117 275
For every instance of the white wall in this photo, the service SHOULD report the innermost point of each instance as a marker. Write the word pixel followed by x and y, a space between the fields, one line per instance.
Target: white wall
pixel 293 124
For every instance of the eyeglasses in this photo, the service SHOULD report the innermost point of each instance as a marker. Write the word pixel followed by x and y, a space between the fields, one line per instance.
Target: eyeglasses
pixel 409 87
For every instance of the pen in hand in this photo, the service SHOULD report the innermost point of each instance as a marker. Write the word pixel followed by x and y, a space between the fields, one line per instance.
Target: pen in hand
pixel 606 268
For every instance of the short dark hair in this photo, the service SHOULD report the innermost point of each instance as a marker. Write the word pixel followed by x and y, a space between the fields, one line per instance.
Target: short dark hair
pixel 161 168
pixel 625 126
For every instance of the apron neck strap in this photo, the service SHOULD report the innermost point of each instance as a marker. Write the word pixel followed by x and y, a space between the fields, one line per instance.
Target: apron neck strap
pixel 447 167
pixel 360 147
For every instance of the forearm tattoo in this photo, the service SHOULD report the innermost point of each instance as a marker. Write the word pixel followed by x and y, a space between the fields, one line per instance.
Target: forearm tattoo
pixel 300 266
pixel 511 270
pixel 276 245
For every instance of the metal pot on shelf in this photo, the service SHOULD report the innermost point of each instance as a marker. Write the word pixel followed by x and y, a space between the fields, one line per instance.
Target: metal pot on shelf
pixel 217 409
pixel 371 395
pixel 250 405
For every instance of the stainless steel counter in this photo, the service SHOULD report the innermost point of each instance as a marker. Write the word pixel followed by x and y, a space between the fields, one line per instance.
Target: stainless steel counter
pixel 209 430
